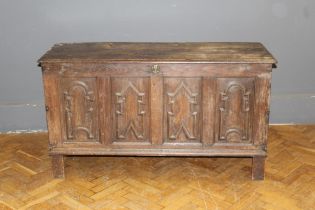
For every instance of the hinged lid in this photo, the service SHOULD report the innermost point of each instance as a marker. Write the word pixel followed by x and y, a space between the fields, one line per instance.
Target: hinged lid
pixel 196 52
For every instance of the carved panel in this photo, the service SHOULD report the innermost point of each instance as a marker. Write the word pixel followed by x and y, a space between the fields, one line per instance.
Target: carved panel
pixel 131 115
pixel 80 109
pixel 235 107
pixel 182 109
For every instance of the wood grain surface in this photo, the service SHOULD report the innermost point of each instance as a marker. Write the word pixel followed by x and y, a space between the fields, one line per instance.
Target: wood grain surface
pixel 209 52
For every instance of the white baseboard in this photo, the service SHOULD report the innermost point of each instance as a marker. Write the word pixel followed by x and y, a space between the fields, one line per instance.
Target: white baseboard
pixel 23 131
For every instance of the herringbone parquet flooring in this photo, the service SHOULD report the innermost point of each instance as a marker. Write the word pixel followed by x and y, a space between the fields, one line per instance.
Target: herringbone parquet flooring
pixel 158 182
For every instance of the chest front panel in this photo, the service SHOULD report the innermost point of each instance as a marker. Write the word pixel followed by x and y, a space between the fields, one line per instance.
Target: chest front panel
pixel 201 110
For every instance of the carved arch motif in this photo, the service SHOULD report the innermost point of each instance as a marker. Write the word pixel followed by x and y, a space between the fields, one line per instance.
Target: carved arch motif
pixel 234 112
pixel 79 99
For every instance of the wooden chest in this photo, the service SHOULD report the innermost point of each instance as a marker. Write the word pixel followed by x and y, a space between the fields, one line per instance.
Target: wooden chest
pixel 157 99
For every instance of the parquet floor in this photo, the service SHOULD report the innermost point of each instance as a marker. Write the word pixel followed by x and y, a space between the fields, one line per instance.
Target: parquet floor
pixel 159 183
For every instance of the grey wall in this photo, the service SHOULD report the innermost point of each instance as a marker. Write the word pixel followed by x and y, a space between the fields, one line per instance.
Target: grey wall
pixel 29 28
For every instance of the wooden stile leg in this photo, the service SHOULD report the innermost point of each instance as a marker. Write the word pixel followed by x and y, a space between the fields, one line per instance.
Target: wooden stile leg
pixel 258 168
pixel 58 167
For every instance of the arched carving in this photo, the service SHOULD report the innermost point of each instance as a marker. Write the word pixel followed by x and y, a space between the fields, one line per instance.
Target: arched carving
pixel 235 110
pixel 80 109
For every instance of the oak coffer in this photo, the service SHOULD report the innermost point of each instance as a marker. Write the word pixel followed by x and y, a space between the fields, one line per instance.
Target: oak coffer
pixel 157 99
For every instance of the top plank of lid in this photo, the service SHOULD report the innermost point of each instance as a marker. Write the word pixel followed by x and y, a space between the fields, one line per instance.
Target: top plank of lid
pixel 199 52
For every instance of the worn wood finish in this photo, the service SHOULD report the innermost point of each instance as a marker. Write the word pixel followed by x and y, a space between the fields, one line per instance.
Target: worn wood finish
pixel 104 118
pixel 58 167
pixel 262 100
pixel 235 107
pixel 79 109
pixel 209 52
pixel 131 115
pixel 185 150
pixel 258 171
pixel 156 108
pixel 52 107
pixel 158 99
pixel 182 107
pixel 208 110
pixel 143 69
